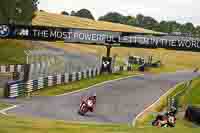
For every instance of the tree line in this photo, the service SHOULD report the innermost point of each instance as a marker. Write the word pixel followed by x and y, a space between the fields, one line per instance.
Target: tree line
pixel 23 11
pixel 17 11
pixel 143 21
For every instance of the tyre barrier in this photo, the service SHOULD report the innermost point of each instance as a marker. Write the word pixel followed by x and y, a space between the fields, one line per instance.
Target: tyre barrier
pixel 136 60
pixel 11 68
pixel 15 89
pixel 193 114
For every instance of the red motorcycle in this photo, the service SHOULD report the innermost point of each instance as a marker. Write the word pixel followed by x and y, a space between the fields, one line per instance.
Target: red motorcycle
pixel 87 104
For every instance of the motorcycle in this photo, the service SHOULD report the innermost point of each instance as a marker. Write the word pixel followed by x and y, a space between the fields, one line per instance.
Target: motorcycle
pixel 166 120
pixel 86 105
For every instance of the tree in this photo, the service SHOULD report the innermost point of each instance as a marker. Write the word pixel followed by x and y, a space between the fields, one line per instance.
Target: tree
pixel 64 13
pixel 84 13
pixel 17 11
pixel 131 20
pixel 139 20
pixel 112 17
pixel 73 13
pixel 188 28
pixel 197 31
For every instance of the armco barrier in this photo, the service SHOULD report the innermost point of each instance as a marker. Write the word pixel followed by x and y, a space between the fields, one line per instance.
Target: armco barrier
pixel 19 88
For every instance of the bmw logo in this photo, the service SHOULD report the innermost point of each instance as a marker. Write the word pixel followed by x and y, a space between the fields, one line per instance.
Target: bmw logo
pixel 4 30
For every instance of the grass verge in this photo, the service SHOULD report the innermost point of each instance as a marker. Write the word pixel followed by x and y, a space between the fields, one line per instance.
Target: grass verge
pixel 12 124
pixel 190 97
pixel 4 105
pixel 74 86
pixel 146 118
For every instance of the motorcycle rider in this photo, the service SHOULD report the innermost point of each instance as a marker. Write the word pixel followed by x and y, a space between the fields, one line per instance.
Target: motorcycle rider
pixel 93 99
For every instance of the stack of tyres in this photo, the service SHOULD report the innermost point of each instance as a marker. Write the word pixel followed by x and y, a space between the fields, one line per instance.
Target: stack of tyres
pixel 82 75
pixel 54 80
pixel 66 78
pixel 62 79
pixel 12 89
pixel 58 79
pixel 21 89
pixel 3 69
pixel 40 83
pixel 7 68
pixel 73 76
pixel 70 77
pixel 79 75
pixel 121 68
pixel 20 68
pixel 12 68
pixel 45 82
pixel 116 68
pixel 16 68
pixel 50 81
pixel 35 85
pixel 29 86
pixel 87 74
pixel 129 68
pixel 92 73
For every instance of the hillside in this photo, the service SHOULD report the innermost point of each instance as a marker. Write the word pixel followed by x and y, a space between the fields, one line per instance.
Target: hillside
pixel 51 19
pixel 12 51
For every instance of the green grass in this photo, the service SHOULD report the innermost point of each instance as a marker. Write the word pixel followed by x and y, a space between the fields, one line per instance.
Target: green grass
pixel 189 97
pixel 12 52
pixel 51 91
pixel 4 105
pixel 163 69
pixel 147 117
pixel 192 97
pixel 14 124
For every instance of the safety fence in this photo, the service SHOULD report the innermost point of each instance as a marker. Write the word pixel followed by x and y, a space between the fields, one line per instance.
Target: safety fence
pixel 19 88
pixel 11 68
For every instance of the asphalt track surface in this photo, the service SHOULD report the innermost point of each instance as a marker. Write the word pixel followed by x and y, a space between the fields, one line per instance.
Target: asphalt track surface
pixel 117 102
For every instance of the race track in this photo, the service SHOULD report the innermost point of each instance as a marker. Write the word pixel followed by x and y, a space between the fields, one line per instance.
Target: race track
pixel 117 102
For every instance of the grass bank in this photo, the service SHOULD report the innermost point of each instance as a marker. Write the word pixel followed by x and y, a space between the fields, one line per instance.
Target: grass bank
pixel 146 118
pixel 4 105
pixel 78 85
pixel 12 51
pixel 189 97
pixel 12 124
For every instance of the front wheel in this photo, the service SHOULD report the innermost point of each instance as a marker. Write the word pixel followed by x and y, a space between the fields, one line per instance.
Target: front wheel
pixel 83 110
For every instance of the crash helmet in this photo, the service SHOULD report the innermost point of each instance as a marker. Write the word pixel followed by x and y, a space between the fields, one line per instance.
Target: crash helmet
pixel 94 95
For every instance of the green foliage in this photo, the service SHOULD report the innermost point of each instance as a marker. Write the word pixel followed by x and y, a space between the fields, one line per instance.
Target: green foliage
pixel 148 22
pixel 84 13
pixel 17 11
pixel 64 13
pixel 113 17
pixel 12 52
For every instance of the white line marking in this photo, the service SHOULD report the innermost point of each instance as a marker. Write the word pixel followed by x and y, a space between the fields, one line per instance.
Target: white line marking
pixel 3 111
pixel 99 84
pixel 141 113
